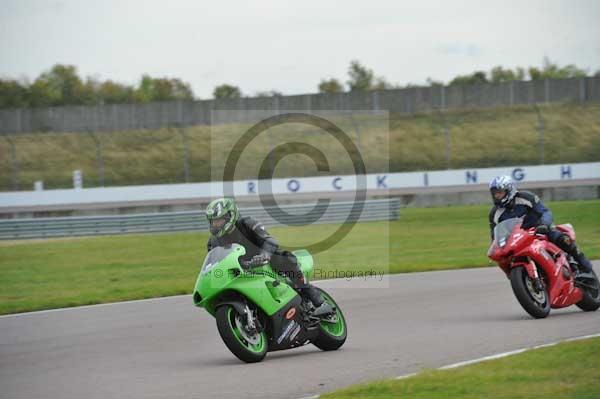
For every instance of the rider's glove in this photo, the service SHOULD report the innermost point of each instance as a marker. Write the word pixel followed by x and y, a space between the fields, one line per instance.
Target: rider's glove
pixel 259 260
pixel 542 229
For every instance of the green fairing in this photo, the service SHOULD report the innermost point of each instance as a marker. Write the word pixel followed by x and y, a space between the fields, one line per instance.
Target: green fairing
pixel 257 310
pixel 227 275
pixel 305 260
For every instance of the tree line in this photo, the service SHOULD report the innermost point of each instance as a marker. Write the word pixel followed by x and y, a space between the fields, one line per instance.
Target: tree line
pixel 62 85
pixel 363 78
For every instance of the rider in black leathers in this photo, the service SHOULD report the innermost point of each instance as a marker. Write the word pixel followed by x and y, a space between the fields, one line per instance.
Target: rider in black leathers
pixel 227 227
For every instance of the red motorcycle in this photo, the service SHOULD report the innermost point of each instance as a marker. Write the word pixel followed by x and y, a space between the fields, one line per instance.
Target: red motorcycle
pixel 542 276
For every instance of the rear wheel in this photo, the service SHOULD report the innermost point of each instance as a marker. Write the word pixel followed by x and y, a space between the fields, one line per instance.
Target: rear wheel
pixel 535 301
pixel 249 346
pixel 591 294
pixel 333 329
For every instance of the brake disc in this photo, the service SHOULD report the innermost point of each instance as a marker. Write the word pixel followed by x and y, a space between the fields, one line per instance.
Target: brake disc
pixel 252 338
pixel 538 296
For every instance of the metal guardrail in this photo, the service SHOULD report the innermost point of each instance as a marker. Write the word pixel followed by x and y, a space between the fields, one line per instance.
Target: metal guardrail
pixel 334 212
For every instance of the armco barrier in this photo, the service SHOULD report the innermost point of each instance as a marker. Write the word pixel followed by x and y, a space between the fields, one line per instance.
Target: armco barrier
pixel 334 212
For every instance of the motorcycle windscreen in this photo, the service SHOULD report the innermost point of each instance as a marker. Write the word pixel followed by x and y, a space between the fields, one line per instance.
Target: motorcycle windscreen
pixel 504 229
pixel 216 255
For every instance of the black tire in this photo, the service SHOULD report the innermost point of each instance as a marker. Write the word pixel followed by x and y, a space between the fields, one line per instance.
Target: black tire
pixel 328 340
pixel 522 287
pixel 591 297
pixel 225 316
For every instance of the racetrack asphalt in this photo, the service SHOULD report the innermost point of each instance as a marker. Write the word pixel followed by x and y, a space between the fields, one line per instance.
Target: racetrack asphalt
pixel 167 348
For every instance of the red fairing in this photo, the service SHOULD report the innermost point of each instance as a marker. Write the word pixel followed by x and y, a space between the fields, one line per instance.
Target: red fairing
pixel 525 248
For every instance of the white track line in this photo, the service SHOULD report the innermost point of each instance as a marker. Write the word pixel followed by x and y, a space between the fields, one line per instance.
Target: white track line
pixel 37 312
pixel 515 352
pixel 316 282
pixel 98 305
pixel 491 357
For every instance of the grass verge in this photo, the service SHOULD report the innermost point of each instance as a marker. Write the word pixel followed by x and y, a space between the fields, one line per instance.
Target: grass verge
pixel 568 370
pixel 46 274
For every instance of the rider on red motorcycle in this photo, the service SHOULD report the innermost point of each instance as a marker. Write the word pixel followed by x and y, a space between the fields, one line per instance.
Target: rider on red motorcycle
pixel 511 203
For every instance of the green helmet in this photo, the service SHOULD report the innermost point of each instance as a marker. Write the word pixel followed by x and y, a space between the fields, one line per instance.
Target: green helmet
pixel 222 214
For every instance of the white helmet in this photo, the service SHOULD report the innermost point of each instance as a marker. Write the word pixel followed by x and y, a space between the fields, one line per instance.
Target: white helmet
pixel 503 183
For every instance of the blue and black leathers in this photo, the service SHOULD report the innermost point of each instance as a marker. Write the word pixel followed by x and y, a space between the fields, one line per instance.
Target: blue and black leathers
pixel 529 206
pixel 526 205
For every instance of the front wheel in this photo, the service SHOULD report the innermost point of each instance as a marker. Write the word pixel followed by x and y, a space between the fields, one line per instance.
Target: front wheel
pixel 591 295
pixel 332 330
pixel 535 302
pixel 248 346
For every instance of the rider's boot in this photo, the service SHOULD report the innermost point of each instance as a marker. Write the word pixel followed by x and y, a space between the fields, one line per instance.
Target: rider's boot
pixel 322 308
pixel 584 264
pixel 570 247
pixel 584 272
pixel 311 293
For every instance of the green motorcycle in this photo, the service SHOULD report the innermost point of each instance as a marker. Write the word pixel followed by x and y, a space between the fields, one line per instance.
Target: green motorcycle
pixel 258 311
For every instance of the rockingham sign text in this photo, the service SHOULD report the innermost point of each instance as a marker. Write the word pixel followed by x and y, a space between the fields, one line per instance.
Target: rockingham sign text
pixel 300 185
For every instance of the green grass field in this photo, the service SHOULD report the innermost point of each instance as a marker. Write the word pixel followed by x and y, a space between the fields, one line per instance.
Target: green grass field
pixel 47 274
pixel 478 138
pixel 566 371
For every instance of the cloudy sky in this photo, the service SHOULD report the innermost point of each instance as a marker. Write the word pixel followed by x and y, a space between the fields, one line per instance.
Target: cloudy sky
pixel 290 46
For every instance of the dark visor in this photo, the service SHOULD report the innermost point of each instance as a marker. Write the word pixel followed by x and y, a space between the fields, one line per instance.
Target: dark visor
pixel 220 222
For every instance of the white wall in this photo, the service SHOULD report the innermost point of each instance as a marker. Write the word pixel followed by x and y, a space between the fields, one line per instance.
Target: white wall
pixel 575 171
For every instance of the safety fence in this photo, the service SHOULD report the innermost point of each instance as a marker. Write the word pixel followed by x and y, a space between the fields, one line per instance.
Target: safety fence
pixel 285 215
pixel 103 118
